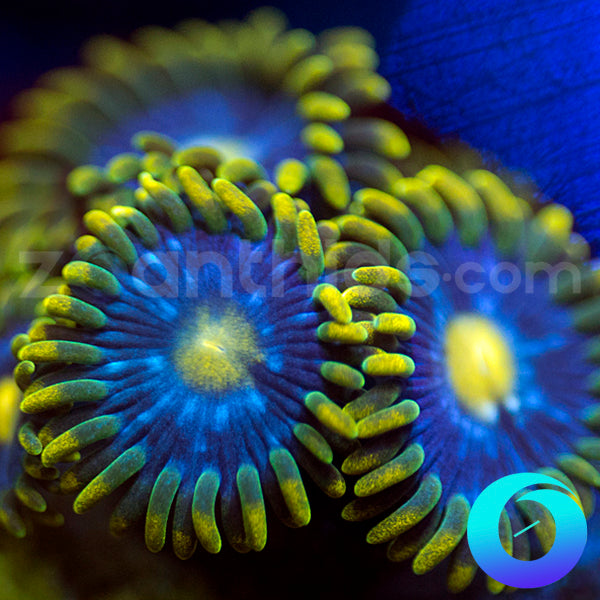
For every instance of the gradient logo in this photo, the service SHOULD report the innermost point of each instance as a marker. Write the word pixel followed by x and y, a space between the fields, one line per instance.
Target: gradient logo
pixel 484 537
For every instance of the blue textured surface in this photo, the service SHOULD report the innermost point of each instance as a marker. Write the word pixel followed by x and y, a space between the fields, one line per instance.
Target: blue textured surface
pixel 550 388
pixel 518 79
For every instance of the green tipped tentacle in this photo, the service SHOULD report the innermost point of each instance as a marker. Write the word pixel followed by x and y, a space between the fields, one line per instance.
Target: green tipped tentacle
pixel 327 80
pixel 441 201
pixel 23 497
pixel 357 314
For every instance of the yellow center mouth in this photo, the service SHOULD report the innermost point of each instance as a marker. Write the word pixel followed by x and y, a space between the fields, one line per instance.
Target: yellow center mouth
pixel 480 365
pixel 215 352
pixel 9 409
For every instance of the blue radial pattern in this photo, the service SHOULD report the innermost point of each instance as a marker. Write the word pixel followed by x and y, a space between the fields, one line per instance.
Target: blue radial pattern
pixel 191 358
pixel 541 417
pixel 205 370
pixel 238 121
pixel 505 303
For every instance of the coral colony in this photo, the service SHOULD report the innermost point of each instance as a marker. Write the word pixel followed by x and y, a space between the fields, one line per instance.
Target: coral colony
pixel 263 289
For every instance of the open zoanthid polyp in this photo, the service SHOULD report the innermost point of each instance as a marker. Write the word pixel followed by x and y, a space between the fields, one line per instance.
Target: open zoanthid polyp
pixel 199 352
pixel 505 303
pixel 296 102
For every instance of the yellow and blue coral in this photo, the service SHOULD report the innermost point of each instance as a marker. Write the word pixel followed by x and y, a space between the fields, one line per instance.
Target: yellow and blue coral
pixel 328 160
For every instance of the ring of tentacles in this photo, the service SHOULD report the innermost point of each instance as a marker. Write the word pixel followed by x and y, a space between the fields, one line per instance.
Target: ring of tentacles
pixel 504 362
pixel 505 302
pixel 197 355
pixel 251 85
pixel 297 103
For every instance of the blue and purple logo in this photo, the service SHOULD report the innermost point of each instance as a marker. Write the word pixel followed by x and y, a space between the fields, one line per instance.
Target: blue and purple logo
pixel 484 538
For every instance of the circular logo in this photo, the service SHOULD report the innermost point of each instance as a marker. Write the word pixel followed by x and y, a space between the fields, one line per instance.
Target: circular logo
pixel 484 538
